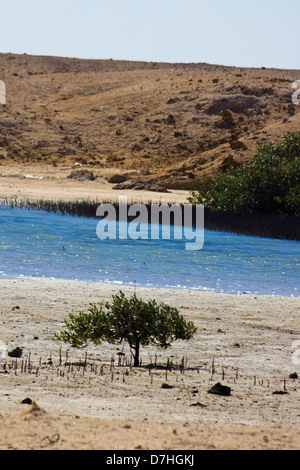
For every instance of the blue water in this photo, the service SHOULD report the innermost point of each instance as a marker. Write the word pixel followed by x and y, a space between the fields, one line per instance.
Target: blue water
pixel 41 244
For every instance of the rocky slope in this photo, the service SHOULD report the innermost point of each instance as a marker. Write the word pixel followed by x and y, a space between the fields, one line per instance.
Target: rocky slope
pixel 140 123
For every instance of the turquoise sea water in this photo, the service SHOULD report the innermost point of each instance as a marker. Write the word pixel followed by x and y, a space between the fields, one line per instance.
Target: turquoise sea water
pixel 41 244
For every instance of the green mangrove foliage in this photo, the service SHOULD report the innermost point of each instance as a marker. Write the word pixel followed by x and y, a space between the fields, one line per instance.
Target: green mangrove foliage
pixel 132 320
pixel 269 183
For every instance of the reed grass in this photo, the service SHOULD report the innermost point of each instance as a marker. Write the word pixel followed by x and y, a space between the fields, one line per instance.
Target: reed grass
pixel 244 223
pixel 106 372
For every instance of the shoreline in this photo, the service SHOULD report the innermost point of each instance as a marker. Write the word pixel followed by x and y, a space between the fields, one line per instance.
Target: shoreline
pixel 83 199
pixel 134 286
pixel 60 188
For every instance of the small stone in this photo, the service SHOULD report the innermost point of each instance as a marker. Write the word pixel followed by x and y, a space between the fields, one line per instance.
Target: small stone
pixel 17 352
pixel 164 385
pixel 170 119
pixel 219 389
pixel 27 401
pixel 294 375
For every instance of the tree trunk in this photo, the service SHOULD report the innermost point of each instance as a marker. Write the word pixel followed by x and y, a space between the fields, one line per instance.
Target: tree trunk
pixel 137 354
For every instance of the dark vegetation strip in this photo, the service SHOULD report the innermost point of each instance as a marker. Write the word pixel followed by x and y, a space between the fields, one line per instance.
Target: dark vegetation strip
pixel 246 223
pixel 255 224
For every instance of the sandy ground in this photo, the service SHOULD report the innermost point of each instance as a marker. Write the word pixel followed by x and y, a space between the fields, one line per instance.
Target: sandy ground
pixel 243 341
pixel 37 182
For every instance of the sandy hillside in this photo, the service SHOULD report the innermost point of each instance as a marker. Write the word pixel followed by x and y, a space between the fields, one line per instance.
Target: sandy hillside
pixel 144 124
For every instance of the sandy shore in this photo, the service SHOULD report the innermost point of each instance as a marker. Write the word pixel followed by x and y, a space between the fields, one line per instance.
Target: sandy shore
pixel 247 339
pixel 36 182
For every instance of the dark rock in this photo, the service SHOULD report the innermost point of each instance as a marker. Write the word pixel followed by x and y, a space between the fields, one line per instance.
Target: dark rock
pixel 164 385
pixel 227 121
pixel 294 375
pixel 17 352
pixel 235 103
pixel 27 401
pixel 140 185
pixel 157 188
pixel 219 389
pixel 255 91
pixel 82 175
pixel 172 100
pixel 115 179
pixel 170 119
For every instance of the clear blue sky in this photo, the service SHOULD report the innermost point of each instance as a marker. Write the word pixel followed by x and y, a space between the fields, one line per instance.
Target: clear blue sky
pixel 229 32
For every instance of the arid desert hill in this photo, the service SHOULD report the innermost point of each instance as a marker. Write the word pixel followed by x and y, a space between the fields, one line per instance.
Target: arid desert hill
pixel 140 122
